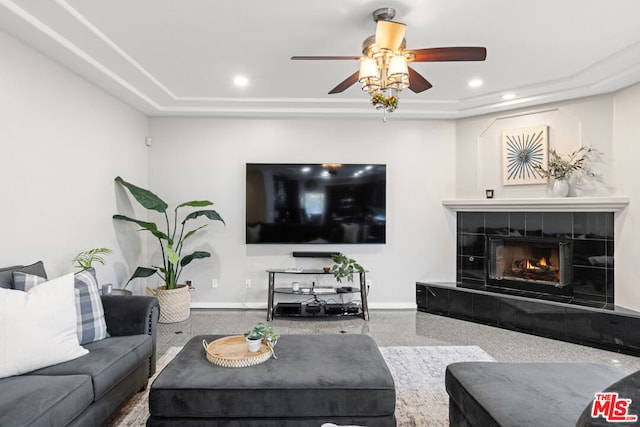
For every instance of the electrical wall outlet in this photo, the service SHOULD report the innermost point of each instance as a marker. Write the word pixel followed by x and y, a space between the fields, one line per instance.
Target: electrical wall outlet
pixel 247 283
pixel 214 283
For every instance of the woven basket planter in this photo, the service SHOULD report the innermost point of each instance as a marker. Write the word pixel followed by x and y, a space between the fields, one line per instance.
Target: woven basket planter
pixel 175 304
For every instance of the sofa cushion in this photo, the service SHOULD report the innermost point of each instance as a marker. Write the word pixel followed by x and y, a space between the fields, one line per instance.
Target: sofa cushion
pixel 91 324
pixel 90 321
pixel 531 394
pixel 108 362
pixel 38 328
pixel 6 274
pixel 43 401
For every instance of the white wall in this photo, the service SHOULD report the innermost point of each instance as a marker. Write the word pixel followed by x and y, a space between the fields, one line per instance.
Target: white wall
pixel 205 158
pixel 626 140
pixel 583 122
pixel 62 142
pixel 607 122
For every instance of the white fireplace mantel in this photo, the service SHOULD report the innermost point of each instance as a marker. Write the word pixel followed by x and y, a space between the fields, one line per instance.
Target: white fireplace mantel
pixel 559 204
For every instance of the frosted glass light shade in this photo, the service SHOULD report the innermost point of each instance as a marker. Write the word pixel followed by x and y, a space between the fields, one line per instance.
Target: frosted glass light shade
pixel 389 35
pixel 369 74
pixel 368 69
pixel 398 67
pixel 398 73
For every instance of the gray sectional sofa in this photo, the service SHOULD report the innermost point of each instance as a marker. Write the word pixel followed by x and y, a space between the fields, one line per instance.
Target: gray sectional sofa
pixel 88 390
pixel 537 394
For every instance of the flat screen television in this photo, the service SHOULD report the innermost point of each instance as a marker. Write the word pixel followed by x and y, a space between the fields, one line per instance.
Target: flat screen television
pixel 315 203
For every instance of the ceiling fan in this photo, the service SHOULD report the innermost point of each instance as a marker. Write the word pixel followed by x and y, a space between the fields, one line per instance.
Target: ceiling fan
pixel 383 64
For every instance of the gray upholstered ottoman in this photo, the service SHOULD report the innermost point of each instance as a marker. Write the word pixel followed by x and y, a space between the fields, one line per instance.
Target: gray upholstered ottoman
pixel 316 379
pixel 523 394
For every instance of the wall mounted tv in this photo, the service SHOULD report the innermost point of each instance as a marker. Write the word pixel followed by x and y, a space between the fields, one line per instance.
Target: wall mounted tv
pixel 315 203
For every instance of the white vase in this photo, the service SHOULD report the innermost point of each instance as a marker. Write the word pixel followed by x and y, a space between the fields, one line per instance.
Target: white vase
pixel 560 188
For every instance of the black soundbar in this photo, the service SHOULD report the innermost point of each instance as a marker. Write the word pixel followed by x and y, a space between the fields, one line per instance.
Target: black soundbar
pixel 314 254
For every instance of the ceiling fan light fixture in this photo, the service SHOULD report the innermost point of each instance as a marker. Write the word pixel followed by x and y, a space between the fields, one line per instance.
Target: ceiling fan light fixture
pixel 369 75
pixel 384 72
pixel 398 72
pixel 389 35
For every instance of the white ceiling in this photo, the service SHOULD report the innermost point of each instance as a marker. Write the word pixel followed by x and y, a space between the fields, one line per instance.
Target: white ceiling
pixel 179 57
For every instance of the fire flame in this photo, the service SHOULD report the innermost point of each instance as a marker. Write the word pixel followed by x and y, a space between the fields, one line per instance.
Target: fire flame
pixel 541 263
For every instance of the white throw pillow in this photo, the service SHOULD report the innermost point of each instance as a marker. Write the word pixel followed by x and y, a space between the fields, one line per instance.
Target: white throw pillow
pixel 38 327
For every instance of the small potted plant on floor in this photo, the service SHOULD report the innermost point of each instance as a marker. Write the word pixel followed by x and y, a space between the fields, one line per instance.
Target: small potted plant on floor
pixel 173 297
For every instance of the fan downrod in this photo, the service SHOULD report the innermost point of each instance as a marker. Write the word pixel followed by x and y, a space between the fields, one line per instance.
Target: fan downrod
pixel 384 14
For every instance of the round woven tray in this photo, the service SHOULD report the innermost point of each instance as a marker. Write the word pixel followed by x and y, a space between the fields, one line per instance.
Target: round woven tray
pixel 233 352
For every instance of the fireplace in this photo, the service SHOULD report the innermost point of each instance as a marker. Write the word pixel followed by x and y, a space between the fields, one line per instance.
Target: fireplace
pixel 529 264
pixel 577 247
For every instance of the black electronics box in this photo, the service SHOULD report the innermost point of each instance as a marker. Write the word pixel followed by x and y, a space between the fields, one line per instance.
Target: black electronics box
pixel 334 309
pixel 289 308
pixel 352 309
pixel 312 309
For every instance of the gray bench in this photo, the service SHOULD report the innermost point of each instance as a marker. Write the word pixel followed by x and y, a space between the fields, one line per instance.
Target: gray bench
pixel 533 394
pixel 316 379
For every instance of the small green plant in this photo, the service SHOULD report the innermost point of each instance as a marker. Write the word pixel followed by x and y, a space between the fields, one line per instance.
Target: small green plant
pixel 86 258
pixel 559 167
pixel 261 331
pixel 344 267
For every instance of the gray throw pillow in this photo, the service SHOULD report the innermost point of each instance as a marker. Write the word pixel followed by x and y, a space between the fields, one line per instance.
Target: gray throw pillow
pixel 6 274
pixel 91 323
pixel 24 281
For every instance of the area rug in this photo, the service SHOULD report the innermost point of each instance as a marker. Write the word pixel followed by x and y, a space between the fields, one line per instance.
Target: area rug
pixel 418 372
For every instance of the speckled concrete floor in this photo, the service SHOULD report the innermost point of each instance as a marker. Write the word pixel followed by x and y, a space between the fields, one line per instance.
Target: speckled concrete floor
pixel 397 328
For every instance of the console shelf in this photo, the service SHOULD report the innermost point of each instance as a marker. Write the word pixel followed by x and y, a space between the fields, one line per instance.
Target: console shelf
pixel 317 309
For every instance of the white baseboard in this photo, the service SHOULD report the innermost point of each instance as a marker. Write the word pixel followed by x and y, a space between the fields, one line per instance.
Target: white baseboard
pixel 392 305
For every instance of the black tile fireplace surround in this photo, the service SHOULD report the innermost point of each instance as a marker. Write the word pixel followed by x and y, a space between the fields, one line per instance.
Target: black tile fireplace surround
pixel 583 312
pixel 589 234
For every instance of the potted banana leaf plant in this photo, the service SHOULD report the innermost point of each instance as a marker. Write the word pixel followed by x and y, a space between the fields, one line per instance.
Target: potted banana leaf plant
pixel 173 297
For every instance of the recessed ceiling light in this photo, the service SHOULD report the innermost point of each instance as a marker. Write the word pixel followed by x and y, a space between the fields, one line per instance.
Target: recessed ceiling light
pixel 475 83
pixel 508 96
pixel 240 81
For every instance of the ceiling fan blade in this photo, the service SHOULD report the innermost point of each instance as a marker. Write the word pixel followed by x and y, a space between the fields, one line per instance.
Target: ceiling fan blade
pixel 437 54
pixel 417 83
pixel 389 35
pixel 347 83
pixel 324 58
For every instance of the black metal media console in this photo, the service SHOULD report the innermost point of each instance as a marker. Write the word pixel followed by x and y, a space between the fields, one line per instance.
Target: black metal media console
pixel 312 305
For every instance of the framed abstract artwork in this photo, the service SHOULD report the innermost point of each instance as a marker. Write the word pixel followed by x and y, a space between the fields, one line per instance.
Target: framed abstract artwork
pixel 522 150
